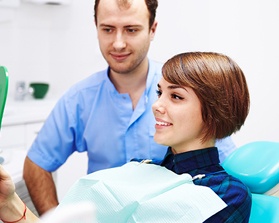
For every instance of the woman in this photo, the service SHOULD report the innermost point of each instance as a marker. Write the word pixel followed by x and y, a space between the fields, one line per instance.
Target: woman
pixel 201 97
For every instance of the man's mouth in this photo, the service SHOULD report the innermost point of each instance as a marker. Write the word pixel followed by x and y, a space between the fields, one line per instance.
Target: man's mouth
pixel 119 56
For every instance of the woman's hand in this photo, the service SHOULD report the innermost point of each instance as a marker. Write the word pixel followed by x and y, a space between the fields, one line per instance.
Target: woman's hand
pixel 7 187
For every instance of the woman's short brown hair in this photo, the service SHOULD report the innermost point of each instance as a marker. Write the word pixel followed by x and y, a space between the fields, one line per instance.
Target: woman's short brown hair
pixel 220 86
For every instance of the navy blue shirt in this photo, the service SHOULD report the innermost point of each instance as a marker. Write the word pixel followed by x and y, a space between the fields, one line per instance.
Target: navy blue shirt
pixel 204 166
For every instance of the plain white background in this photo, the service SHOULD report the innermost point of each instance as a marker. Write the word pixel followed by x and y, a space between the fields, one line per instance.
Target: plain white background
pixel 58 44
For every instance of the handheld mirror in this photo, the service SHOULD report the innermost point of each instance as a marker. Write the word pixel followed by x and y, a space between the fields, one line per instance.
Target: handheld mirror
pixel 4 80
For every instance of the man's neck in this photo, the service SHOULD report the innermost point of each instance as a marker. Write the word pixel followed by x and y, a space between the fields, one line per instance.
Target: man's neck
pixel 133 83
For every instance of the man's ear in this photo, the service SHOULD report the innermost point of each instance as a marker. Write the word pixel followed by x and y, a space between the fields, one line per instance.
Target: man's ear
pixel 153 30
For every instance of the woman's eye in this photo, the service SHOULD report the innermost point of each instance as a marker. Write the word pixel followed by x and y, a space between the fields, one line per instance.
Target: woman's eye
pixel 159 93
pixel 175 96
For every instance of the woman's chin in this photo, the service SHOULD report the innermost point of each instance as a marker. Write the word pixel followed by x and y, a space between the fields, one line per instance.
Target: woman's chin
pixel 160 140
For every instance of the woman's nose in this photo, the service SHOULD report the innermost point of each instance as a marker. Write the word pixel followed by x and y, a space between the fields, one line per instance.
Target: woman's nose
pixel 158 106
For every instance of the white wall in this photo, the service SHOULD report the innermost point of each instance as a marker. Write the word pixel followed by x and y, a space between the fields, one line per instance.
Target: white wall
pixel 58 44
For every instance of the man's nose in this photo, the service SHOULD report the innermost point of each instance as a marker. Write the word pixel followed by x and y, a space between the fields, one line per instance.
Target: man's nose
pixel 119 41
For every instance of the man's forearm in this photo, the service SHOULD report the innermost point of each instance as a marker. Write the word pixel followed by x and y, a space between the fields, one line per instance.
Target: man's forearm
pixel 41 186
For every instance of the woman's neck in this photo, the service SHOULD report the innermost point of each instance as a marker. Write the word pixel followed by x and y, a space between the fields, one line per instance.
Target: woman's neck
pixel 195 145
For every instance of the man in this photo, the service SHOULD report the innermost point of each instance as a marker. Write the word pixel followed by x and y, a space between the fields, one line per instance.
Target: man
pixel 108 114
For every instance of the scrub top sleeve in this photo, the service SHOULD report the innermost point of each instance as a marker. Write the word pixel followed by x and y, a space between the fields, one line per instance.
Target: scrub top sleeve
pixel 55 141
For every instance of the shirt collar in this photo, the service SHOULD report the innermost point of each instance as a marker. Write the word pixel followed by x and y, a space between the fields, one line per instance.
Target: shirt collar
pixel 191 160
pixel 154 69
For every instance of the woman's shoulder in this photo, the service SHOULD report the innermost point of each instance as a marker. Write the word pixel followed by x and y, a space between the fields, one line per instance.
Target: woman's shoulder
pixel 227 187
pixel 234 193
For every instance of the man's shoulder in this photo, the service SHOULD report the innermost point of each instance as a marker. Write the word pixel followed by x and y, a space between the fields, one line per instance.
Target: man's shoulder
pixel 89 84
pixel 93 80
pixel 154 72
pixel 155 65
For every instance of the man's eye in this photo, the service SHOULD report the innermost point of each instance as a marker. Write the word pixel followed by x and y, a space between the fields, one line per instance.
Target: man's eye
pixel 175 96
pixel 159 93
pixel 107 30
pixel 131 30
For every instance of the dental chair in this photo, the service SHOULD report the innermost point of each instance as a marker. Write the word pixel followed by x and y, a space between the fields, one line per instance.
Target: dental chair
pixel 256 164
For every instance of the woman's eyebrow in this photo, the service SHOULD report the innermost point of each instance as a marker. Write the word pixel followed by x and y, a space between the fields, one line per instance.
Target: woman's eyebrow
pixel 176 87
pixel 173 87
